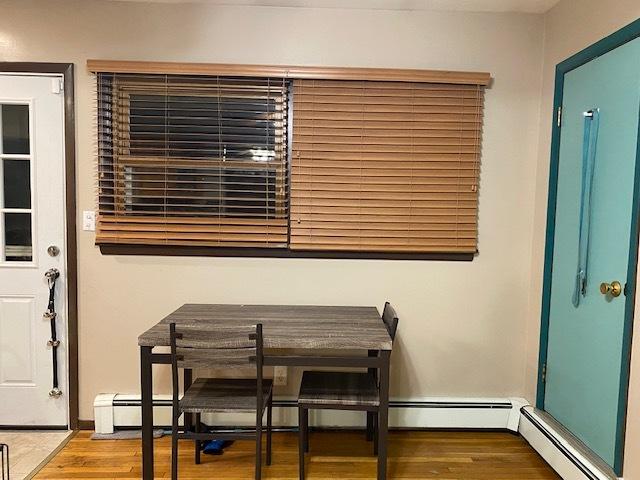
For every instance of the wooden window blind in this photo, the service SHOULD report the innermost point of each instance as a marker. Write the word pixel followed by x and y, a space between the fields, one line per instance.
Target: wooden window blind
pixel 385 166
pixel 196 160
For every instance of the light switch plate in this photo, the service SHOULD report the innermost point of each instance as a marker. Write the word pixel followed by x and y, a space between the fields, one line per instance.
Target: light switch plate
pixel 89 221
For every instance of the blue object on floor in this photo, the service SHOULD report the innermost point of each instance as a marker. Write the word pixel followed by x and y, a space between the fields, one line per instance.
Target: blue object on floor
pixel 215 447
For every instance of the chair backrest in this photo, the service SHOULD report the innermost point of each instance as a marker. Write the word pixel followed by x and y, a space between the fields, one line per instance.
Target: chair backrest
pixel 226 347
pixel 390 319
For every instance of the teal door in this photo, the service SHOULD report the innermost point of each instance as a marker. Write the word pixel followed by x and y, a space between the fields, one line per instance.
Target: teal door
pixel 583 377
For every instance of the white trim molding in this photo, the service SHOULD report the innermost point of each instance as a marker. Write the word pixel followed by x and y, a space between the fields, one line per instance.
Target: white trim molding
pixel 113 411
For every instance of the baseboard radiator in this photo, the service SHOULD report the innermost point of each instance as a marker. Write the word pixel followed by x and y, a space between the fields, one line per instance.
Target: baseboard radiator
pixel 558 450
pixel 120 411
pixel 113 411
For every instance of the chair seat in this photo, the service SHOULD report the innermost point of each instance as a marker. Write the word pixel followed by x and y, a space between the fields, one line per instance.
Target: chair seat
pixel 339 389
pixel 208 395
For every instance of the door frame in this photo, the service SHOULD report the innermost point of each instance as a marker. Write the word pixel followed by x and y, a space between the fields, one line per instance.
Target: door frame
pixel 613 41
pixel 67 71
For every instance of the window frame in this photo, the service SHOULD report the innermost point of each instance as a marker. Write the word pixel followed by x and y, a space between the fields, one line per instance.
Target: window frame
pixel 271 166
pixel 251 252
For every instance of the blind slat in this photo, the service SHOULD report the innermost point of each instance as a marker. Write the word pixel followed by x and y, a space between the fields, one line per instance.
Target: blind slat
pixel 172 230
pixel 385 167
pixel 192 160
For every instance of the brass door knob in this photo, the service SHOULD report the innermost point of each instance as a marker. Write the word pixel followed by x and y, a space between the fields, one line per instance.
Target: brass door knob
pixel 614 288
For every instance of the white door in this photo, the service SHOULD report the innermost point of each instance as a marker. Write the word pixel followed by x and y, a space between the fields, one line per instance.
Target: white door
pixel 32 218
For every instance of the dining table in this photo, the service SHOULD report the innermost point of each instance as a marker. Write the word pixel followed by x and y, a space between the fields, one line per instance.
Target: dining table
pixel 293 335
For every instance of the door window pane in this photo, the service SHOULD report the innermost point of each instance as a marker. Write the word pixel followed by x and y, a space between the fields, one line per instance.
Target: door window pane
pixel 17 237
pixel 17 184
pixel 15 128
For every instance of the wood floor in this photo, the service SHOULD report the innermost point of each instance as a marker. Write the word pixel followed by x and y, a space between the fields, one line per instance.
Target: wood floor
pixel 333 455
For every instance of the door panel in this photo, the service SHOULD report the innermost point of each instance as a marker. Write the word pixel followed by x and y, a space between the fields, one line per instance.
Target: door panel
pixel 31 218
pixel 585 343
pixel 17 324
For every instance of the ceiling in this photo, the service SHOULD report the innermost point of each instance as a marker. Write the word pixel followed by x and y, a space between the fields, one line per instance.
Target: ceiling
pixel 527 6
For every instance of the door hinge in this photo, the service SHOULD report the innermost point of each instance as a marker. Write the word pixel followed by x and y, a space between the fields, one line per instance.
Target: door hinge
pixel 543 374
pixel 559 117
pixel 57 85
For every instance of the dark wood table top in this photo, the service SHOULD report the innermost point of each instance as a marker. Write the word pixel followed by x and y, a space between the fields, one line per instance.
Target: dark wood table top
pixel 285 326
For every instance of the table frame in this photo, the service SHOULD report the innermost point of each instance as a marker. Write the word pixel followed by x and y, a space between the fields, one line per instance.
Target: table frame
pixel 379 362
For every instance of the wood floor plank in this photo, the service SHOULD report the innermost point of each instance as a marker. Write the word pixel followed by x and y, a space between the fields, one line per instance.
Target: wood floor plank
pixel 344 455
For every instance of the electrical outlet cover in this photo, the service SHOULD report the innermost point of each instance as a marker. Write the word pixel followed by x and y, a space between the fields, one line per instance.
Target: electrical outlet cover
pixel 280 376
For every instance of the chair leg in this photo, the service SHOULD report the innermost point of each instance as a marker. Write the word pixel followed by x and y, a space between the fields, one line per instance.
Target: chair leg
pixel 374 417
pixel 259 447
pixel 269 423
pixel 301 440
pixel 197 442
pixel 174 450
pixel 369 426
pixel 306 429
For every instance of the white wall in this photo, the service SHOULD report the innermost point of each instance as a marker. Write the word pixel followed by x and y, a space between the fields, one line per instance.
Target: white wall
pixel 462 324
pixel 571 26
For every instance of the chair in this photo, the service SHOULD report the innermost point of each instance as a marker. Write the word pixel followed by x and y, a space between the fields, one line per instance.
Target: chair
pixel 196 347
pixel 342 391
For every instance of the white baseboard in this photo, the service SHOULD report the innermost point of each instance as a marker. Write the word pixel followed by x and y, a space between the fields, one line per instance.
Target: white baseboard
pixel 123 411
pixel 569 462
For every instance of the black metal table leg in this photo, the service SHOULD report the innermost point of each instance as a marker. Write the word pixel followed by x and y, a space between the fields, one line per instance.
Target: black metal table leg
pixel 383 415
pixel 301 443
pixel 374 372
pixel 198 443
pixel 188 417
pixel 269 426
pixel 146 379
pixel 305 428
